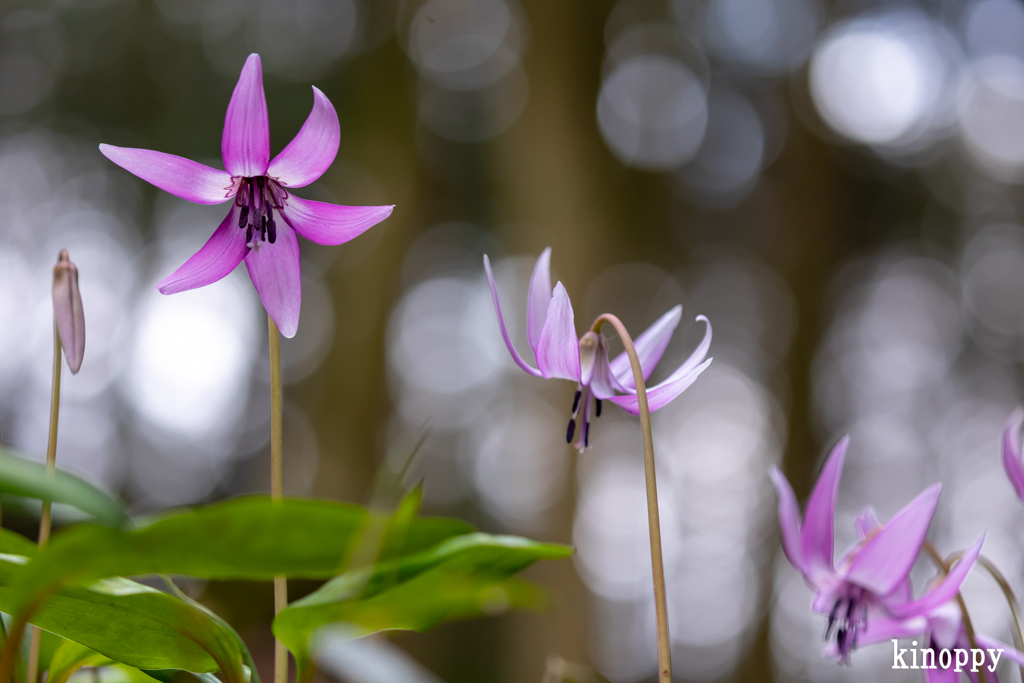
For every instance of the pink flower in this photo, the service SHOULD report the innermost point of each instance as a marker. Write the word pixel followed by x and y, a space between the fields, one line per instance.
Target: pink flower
pixel 260 187
pixel 1012 462
pixel 870 582
pixel 551 329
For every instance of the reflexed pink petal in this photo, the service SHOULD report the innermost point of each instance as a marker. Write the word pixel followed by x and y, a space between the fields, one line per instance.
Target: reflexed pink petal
pixel 1011 452
pixel 817 536
pixel 539 297
pixel 312 151
pixel 179 176
pixel 276 274
pixel 246 141
pixel 331 223
pixel 215 260
pixel 501 323
pixel 789 519
pixel 558 348
pixel 947 588
pixel 650 345
pixel 662 394
pixel 696 358
pixel 886 558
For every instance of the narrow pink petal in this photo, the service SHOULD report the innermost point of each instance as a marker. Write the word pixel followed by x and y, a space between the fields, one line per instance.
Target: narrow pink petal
pixel 276 274
pixel 501 323
pixel 1011 452
pixel 179 176
pixel 662 394
pixel 601 381
pixel 312 151
pixel 945 623
pixel 886 558
pixel 947 588
pixel 789 519
pixel 216 259
pixel 866 522
pixel 650 345
pixel 558 348
pixel 817 536
pixel 331 223
pixel 539 297
pixel 695 359
pixel 1010 652
pixel 246 141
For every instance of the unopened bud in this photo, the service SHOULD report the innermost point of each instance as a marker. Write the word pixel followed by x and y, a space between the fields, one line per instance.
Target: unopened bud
pixel 67 311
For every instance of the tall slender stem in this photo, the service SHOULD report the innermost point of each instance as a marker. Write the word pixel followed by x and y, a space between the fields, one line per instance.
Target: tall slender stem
pixel 944 567
pixel 51 466
pixel 277 484
pixel 653 520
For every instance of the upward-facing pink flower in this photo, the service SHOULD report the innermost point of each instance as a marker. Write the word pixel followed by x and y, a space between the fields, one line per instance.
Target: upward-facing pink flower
pixel 260 187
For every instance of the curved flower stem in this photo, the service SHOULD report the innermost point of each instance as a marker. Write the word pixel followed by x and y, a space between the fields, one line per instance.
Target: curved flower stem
pixel 1011 599
pixel 44 520
pixel 277 484
pixel 944 566
pixel 653 521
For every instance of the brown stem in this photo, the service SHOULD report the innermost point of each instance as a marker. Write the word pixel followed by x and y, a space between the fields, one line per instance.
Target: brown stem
pixel 44 520
pixel 277 484
pixel 653 521
pixel 944 566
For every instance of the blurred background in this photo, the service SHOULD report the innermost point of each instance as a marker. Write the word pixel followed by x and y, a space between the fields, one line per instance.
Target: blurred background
pixel 835 185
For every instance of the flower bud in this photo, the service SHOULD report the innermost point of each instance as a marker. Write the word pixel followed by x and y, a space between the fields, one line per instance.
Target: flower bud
pixel 67 311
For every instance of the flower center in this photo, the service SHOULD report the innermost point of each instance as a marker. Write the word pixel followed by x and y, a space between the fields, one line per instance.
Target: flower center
pixel 848 618
pixel 257 198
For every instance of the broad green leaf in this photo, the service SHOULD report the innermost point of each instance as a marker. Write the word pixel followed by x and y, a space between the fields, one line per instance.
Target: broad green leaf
pixel 463 577
pixel 22 477
pixel 135 624
pixel 251 538
pixel 69 658
pixel 13 543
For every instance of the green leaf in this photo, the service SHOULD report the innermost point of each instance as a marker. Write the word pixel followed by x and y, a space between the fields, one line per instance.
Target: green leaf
pixel 13 543
pixel 135 624
pixel 22 477
pixel 463 577
pixel 251 538
pixel 69 658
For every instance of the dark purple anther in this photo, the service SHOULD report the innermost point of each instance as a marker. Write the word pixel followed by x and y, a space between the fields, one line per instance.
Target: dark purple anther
pixel 570 431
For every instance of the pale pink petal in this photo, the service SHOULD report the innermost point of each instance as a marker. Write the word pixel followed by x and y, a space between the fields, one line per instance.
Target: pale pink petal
pixel 789 519
pixel 938 674
pixel 312 151
pixel 866 522
pixel 947 588
pixel 539 298
pixel 331 223
pixel 558 348
pixel 1011 452
pixel 1010 652
pixel 946 624
pixel 501 323
pixel 179 176
pixel 215 260
pixel 650 345
pixel 601 381
pixel 817 535
pixel 886 558
pixel 276 274
pixel 246 142
pixel 662 394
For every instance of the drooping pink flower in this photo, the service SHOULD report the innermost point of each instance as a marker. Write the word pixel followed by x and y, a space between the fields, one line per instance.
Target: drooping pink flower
pixel 1012 462
pixel 551 329
pixel 939 627
pixel 260 187
pixel 870 581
